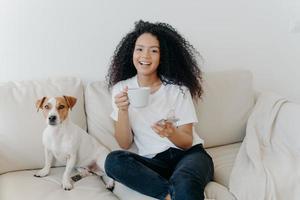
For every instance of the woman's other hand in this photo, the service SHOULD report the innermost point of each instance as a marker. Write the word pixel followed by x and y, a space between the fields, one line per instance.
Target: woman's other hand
pixel 181 136
pixel 164 129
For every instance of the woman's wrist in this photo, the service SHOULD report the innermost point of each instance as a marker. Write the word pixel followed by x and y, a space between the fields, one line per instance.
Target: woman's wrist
pixel 123 111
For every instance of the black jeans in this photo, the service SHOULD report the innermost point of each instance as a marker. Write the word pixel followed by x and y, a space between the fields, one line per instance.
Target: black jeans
pixel 182 174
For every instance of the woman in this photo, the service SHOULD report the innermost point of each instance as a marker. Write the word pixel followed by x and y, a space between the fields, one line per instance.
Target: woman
pixel 171 162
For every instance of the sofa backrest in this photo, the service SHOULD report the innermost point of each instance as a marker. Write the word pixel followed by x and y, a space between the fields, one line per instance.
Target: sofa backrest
pixel 21 126
pixel 225 107
pixel 222 112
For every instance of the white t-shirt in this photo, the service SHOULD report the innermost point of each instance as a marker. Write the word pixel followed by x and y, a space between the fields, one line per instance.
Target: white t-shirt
pixel 167 97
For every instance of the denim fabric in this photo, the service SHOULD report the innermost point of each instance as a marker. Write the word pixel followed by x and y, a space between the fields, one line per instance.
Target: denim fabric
pixel 182 174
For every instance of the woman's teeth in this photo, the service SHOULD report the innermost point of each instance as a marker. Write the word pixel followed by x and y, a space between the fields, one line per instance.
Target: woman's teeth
pixel 144 63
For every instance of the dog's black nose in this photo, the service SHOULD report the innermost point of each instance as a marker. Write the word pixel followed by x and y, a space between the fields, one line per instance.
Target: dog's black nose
pixel 52 118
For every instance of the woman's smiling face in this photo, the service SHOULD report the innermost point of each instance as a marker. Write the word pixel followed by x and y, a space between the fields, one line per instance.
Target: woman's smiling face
pixel 146 54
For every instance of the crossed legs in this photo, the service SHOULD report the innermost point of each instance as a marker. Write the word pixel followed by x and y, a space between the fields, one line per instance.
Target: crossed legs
pixel 173 174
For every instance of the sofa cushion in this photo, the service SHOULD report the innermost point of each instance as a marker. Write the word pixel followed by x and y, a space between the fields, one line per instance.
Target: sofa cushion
pixel 23 185
pixel 223 158
pixel 225 106
pixel 22 126
pixel 125 193
pixel 216 191
pixel 213 191
pixel 17 185
pixel 98 109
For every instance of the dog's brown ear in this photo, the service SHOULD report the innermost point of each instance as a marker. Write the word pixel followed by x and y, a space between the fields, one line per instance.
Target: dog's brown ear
pixel 71 101
pixel 39 103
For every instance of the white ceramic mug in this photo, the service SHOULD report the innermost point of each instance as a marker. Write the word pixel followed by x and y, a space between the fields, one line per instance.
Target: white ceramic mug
pixel 139 97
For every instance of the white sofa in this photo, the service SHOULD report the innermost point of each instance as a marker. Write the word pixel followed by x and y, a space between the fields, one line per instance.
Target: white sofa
pixel 222 112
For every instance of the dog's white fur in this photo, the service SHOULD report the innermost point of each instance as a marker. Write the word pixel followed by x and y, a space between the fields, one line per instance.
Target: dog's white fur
pixel 68 143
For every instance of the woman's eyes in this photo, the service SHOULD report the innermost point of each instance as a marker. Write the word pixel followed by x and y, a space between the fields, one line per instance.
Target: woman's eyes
pixel 152 50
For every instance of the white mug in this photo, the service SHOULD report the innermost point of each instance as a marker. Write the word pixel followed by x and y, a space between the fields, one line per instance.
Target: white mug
pixel 139 97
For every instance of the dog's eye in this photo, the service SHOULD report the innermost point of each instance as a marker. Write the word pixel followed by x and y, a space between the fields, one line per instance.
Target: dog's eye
pixel 46 107
pixel 61 107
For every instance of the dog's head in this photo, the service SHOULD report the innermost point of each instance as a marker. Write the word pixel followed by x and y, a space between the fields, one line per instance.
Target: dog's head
pixel 55 109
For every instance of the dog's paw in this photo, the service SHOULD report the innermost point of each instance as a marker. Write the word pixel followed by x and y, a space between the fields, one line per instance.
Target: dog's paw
pixel 41 173
pixel 67 185
pixel 110 184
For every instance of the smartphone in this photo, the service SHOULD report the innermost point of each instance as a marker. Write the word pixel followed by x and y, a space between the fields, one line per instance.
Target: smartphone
pixel 163 121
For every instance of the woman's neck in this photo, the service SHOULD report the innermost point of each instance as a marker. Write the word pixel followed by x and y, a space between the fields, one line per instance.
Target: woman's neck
pixel 148 81
pixel 153 82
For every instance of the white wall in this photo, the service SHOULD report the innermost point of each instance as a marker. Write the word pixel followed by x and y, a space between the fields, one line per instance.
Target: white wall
pixel 42 38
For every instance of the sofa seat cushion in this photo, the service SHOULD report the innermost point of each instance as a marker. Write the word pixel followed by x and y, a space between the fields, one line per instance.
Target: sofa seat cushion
pixel 213 191
pixel 223 158
pixel 23 185
pixel 125 193
pixel 216 191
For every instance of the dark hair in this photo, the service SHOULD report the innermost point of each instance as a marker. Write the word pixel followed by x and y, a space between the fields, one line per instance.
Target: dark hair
pixel 178 64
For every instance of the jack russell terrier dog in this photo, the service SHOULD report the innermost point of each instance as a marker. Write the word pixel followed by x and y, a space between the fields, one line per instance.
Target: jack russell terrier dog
pixel 69 143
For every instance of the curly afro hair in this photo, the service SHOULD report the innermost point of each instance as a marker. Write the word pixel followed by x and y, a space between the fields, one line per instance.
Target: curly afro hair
pixel 178 64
